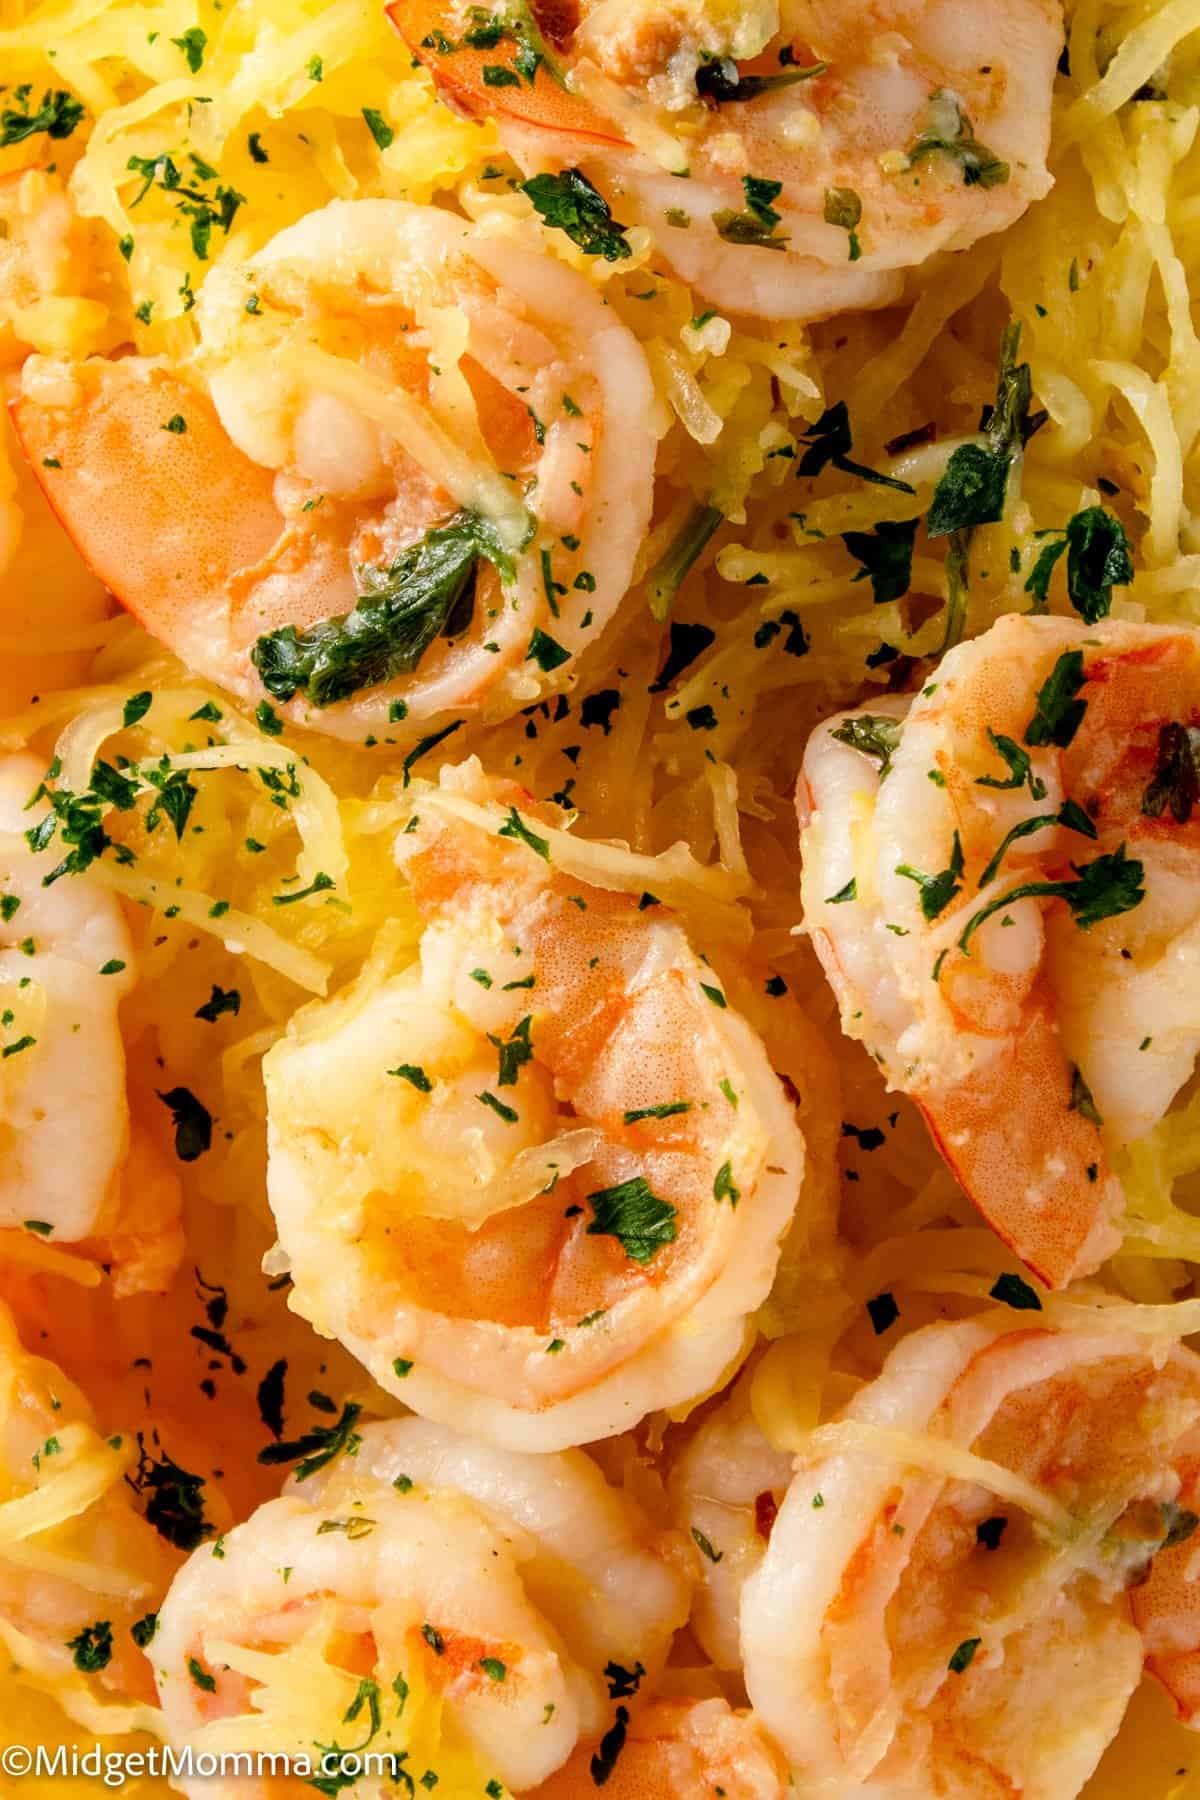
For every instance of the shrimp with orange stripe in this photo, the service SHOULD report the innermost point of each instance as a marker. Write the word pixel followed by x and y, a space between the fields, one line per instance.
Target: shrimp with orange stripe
pixel 538 1180
pixel 1000 880
pixel 828 148
pixel 458 1608
pixel 952 1597
pixel 403 479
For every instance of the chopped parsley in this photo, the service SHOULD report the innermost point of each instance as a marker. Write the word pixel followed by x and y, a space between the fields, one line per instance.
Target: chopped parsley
pixel 1174 785
pixel 312 1450
pixel 937 891
pixel 705 1546
pixel 515 827
pixel 415 1075
pixel 57 114
pixel 873 734
pixel 1012 1291
pixel 633 1214
pixel 756 224
pixel 192 1121
pixel 883 1313
pixel 221 1000
pixel 193 44
pixel 1098 560
pixel 568 202
pixel 426 593
pixel 830 442
pixel 91 1651
pixel 844 208
pixel 718 80
pixel 378 127
pixel 173 1500
pixel 218 206
pixel 949 132
pixel 1020 768
pixel 604 1761
pixel 1058 714
pixel 1102 889
pixel 886 554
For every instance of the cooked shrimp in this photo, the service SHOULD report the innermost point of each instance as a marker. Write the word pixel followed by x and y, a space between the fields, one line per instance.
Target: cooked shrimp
pixel 512 1591
pixel 676 1750
pixel 942 1607
pixel 1166 1607
pixel 1008 909
pixel 726 1488
pixel 829 147
pixel 78 1567
pixel 72 1171
pixel 329 504
pixel 537 1182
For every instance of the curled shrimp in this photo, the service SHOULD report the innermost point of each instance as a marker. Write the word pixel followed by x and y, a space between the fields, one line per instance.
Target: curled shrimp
pixel 484 1604
pixel 828 147
pixel 943 1604
pixel 1000 880
pixel 79 1569
pixel 73 1171
pixel 726 1487
pixel 676 1748
pixel 538 1181
pixel 330 503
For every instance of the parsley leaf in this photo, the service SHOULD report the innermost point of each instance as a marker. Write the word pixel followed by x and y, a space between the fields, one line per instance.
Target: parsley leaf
pixel 312 1450
pixel 1097 561
pixel 633 1214
pixel 949 132
pixel 1107 886
pixel 873 734
pixel 1058 714
pixel 937 891
pixel 974 485
pixel 174 1500
pixel 756 224
pixel 192 1121
pixel 1012 1291
pixel 221 1000
pixel 1070 814
pixel 428 592
pixel 568 202
pixel 719 80
pixel 57 115
pixel 886 554
pixel 830 442
pixel 91 1651
pixel 611 1745
pixel 1175 782
pixel 1020 768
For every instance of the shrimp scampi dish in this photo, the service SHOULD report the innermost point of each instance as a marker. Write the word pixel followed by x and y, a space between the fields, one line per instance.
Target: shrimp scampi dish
pixel 600 899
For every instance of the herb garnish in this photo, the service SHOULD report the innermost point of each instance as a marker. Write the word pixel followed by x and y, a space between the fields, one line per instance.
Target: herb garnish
pixel 949 132
pixel 57 114
pixel 312 1450
pixel 568 202
pixel 633 1214
pixel 426 593
pixel 873 734
pixel 1107 886
pixel 1098 560
pixel 1174 785
pixel 830 442
pixel 886 554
